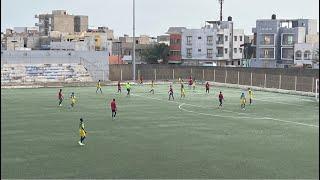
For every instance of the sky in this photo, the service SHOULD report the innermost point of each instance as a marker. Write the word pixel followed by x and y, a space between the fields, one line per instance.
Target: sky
pixel 154 17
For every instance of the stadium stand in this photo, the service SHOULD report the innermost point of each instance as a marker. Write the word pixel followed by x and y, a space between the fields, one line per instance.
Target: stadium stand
pixel 23 73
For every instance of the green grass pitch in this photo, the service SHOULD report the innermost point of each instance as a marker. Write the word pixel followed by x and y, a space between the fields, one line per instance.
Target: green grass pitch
pixel 276 137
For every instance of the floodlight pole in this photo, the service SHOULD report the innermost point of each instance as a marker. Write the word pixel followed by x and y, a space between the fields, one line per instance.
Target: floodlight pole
pixel 134 45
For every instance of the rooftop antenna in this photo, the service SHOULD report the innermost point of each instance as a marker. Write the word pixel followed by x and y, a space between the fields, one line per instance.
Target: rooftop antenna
pixel 221 2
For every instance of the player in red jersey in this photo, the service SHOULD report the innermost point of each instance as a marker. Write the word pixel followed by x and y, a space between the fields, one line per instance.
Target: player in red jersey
pixel 221 98
pixel 207 87
pixel 171 92
pixel 119 87
pixel 60 97
pixel 190 82
pixel 113 109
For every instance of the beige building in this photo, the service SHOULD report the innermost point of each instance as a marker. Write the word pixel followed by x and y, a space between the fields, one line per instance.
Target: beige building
pixel 59 20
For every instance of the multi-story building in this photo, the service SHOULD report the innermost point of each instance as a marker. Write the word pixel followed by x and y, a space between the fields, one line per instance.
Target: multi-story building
pixel 216 44
pixel 175 44
pixel 123 46
pixel 59 20
pixel 163 39
pixel 275 40
pixel 15 42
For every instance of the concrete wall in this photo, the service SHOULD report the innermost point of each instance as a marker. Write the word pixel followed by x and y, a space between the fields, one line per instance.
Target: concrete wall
pixel 291 79
pixel 96 62
pixel 63 23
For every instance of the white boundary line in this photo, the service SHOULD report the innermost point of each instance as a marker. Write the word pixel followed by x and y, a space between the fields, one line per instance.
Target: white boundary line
pixel 234 117
pixel 276 100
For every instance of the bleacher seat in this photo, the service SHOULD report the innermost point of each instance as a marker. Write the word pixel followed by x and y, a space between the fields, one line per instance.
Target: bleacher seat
pixel 20 73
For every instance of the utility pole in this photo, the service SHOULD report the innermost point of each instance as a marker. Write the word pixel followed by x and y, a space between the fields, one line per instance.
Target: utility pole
pixel 221 2
pixel 134 44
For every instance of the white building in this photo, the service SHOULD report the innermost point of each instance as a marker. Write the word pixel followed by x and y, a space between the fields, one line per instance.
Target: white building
pixel 83 44
pixel 216 44
pixel 15 42
pixel 305 54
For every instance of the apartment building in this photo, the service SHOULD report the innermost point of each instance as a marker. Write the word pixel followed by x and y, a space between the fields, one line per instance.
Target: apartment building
pixel 59 20
pixel 275 40
pixel 216 44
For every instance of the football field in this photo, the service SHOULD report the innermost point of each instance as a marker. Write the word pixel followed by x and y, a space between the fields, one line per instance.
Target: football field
pixel 151 137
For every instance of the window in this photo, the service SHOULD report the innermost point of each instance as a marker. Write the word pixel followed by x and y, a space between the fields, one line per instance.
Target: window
pixel 238 63
pixel 267 53
pixel 298 55
pixel 210 40
pixel 240 38
pixel 287 53
pixel 175 53
pixel 189 40
pixel 267 39
pixel 306 55
pixel 235 50
pixel 240 50
pixel 199 50
pixel 232 63
pixel 220 52
pixel 225 38
pixel 220 39
pixel 235 38
pixel 287 39
pixel 226 50
pixel 189 52
pixel 209 53
pixel 199 37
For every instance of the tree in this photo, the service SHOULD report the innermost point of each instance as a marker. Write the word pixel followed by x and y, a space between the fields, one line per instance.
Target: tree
pixel 154 53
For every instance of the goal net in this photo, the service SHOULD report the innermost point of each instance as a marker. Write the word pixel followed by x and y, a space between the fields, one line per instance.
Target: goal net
pixel 317 90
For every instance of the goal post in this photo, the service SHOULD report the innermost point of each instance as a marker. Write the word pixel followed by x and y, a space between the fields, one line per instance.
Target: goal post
pixel 317 90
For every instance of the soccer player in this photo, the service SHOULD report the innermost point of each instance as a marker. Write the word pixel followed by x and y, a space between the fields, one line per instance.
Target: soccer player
pixel 60 97
pixel 190 82
pixel 243 101
pixel 128 87
pixel 152 87
pixel 207 87
pixel 171 92
pixel 82 132
pixel 141 79
pixel 119 87
pixel 73 99
pixel 183 93
pixel 99 87
pixel 113 109
pixel 250 93
pixel 194 85
pixel 221 98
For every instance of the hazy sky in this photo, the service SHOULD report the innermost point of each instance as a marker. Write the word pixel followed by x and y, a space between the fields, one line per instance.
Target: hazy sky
pixel 154 17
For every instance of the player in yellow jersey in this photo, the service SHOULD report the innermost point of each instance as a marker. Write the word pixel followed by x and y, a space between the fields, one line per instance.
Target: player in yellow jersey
pixel 243 101
pixel 82 132
pixel 183 92
pixel 73 99
pixel 128 87
pixel 152 87
pixel 250 93
pixel 99 87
